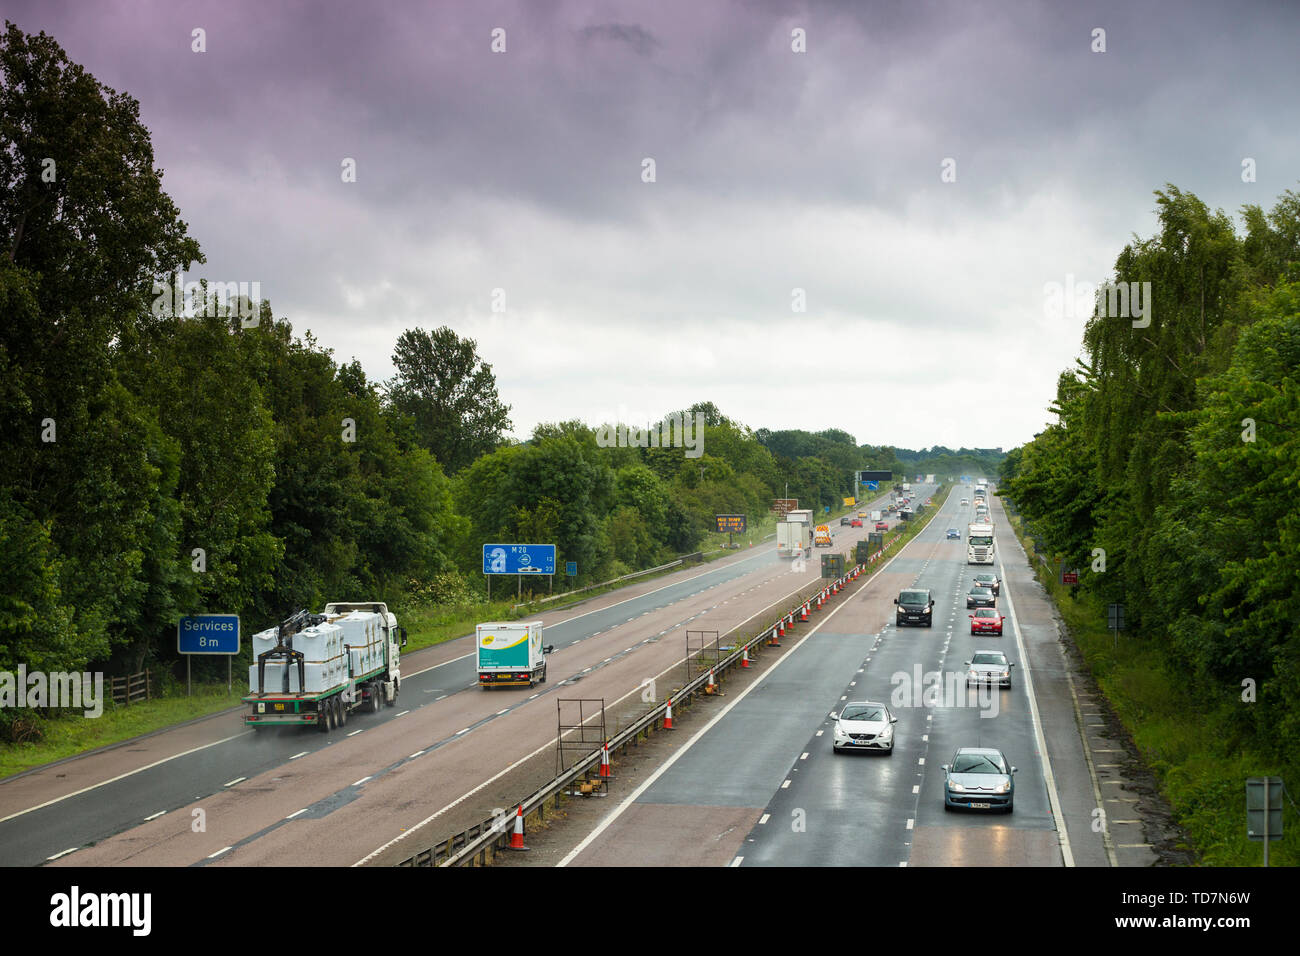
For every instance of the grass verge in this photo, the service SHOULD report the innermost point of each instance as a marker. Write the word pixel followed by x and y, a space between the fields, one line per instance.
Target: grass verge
pixel 1201 772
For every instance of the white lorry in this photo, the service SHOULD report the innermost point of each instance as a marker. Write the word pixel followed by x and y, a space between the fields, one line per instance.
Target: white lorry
pixel 511 652
pixel 980 543
pixel 794 535
pixel 312 669
pixel 793 538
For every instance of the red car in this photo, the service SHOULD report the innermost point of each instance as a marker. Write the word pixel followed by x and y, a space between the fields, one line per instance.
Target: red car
pixel 855 523
pixel 986 620
pixel 882 526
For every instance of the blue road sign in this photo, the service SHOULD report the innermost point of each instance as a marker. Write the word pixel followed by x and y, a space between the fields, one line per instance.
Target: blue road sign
pixel 571 568
pixel 873 486
pixel 208 634
pixel 518 559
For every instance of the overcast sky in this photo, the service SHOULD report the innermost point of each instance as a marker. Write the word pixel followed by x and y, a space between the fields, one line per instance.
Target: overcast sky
pixel 926 318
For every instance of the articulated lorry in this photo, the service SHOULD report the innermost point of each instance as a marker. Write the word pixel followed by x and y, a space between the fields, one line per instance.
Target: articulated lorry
pixel 312 669
pixel 511 652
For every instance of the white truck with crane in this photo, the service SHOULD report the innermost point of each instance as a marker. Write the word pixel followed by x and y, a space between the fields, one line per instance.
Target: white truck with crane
pixel 313 669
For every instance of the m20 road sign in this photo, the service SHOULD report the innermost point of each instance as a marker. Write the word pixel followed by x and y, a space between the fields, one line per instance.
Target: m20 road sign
pixel 518 559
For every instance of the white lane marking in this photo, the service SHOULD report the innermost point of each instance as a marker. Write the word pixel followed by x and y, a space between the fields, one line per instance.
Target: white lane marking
pixel 921 761
pixel 764 818
pixel 910 821
pixel 736 861
pixel 303 754
pixel 213 856
pixel 355 732
pixel 803 756
pixel 500 712
pixel 699 735
pixel 459 732
pixel 820 732
pixel 362 780
pixel 296 812
pixel 235 781
pixel 64 853
pixel 916 788
pixel 1025 670
pixel 402 714
pixel 123 776
pixel 418 753
pixel 785 785
pixel 154 816
pixel 551 743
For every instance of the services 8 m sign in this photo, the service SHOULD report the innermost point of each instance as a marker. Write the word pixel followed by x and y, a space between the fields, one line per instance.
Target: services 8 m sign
pixel 208 634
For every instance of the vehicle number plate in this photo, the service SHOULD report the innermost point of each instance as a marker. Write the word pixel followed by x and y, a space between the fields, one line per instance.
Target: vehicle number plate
pixel 979 806
pixel 279 706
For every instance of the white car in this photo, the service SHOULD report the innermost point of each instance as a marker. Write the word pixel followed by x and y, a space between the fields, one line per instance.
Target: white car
pixel 864 725
pixel 989 667
pixel 965 502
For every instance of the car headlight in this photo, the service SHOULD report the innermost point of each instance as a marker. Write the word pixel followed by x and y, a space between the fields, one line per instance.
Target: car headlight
pixel 956 787
pixel 1005 674
pixel 1003 787
pixel 887 732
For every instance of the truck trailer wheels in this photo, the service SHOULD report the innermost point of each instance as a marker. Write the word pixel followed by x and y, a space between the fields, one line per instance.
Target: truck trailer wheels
pixel 343 710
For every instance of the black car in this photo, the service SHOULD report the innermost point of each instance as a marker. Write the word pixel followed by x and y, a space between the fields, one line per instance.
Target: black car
pixel 915 606
pixel 980 597
pixel 989 581
pixel 845 521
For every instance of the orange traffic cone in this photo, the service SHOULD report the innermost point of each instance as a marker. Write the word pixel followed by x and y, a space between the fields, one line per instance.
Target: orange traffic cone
pixel 744 657
pixel 780 628
pixel 712 686
pixel 604 762
pixel 803 613
pixel 517 838
pixel 772 641
pixel 668 715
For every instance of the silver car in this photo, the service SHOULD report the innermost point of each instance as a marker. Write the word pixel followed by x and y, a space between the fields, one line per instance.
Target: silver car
pixel 864 725
pixel 979 778
pixel 989 667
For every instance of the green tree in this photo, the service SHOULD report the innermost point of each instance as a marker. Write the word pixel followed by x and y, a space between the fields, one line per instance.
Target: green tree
pixel 446 397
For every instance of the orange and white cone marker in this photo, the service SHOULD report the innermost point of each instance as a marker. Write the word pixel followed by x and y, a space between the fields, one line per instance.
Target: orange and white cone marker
pixel 780 628
pixel 668 715
pixel 712 686
pixel 772 641
pixel 604 762
pixel 744 657
pixel 803 613
pixel 517 838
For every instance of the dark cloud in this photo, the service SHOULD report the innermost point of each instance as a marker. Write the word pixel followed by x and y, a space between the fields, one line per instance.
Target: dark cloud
pixel 775 170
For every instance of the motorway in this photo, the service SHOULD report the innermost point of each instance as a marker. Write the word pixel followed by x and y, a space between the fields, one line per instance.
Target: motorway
pixel 384 785
pixel 786 799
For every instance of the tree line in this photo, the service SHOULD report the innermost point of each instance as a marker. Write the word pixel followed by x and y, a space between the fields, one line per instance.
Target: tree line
pixel 1171 475
pixel 175 451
